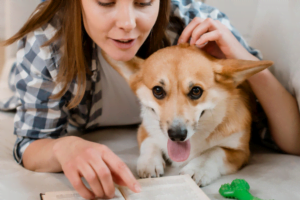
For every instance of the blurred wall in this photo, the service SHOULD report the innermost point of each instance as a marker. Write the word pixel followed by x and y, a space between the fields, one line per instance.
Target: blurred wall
pixel 240 13
pixel 16 14
pixel 2 19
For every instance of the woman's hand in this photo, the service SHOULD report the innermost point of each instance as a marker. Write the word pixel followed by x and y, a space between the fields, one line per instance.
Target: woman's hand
pixel 215 38
pixel 96 163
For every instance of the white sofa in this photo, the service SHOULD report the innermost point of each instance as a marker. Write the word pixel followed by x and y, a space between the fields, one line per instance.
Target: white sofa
pixel 270 25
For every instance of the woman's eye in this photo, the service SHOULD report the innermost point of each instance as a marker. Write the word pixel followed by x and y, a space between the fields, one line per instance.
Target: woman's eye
pixel 195 93
pixel 158 92
pixel 105 4
pixel 143 4
pixel 138 3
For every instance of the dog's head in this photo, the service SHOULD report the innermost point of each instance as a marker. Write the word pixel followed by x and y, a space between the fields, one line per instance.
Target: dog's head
pixel 181 87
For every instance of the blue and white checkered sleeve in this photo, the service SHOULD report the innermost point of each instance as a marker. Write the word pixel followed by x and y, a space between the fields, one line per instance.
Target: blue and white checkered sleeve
pixel 37 116
pixel 187 10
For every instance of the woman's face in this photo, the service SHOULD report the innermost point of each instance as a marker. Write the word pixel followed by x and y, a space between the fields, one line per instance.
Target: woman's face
pixel 119 27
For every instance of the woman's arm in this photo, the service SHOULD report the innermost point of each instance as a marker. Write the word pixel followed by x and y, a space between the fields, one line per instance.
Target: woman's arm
pixel 279 105
pixel 281 109
pixel 39 156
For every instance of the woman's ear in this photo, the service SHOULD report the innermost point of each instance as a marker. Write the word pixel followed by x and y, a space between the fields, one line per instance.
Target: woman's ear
pixel 128 69
pixel 235 72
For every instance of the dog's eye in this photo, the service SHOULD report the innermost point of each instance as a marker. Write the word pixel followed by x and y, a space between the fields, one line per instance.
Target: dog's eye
pixel 195 93
pixel 159 92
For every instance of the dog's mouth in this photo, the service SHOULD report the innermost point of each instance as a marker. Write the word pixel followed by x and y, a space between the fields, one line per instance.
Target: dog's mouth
pixel 179 151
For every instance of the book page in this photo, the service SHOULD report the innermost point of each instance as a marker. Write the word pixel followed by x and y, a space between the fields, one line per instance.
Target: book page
pixel 166 188
pixel 73 195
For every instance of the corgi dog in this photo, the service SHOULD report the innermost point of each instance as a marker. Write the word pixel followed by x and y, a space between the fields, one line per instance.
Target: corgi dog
pixel 195 109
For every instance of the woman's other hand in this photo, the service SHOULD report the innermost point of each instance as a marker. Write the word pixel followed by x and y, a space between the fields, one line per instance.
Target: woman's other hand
pixel 96 163
pixel 215 38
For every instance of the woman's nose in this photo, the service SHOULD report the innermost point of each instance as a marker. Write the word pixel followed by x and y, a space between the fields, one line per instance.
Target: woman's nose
pixel 126 18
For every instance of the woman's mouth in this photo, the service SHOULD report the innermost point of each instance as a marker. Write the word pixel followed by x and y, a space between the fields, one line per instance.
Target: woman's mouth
pixel 124 43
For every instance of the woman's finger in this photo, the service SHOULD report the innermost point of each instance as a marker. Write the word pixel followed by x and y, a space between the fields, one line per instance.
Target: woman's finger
pixel 207 37
pixel 103 173
pixel 207 25
pixel 92 178
pixel 117 179
pixel 75 179
pixel 187 32
pixel 117 166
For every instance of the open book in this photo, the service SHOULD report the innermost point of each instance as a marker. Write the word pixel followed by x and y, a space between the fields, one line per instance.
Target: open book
pixel 179 187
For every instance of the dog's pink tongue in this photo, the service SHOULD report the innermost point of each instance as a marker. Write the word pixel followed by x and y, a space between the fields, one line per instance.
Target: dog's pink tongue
pixel 179 151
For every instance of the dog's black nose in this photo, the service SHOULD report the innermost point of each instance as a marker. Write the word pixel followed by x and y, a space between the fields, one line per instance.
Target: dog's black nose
pixel 177 134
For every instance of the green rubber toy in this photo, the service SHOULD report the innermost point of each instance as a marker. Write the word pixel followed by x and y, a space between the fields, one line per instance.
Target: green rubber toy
pixel 238 189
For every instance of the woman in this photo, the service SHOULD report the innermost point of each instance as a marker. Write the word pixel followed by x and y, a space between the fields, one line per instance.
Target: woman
pixel 60 77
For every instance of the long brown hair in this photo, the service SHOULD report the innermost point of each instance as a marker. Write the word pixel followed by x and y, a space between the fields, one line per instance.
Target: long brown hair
pixel 76 57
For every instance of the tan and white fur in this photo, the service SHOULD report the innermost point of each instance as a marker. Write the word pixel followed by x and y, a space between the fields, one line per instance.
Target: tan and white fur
pixel 218 123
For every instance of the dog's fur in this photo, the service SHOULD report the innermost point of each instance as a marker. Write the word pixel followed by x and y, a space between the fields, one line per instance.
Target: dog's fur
pixel 218 123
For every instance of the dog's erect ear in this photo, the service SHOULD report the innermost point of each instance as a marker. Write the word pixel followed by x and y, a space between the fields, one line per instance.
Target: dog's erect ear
pixel 128 69
pixel 236 71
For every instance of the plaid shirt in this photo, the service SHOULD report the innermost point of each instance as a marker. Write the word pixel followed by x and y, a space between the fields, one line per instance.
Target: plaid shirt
pixel 34 73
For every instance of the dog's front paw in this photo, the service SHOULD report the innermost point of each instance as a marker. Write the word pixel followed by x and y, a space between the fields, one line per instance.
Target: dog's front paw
pixel 202 175
pixel 150 166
